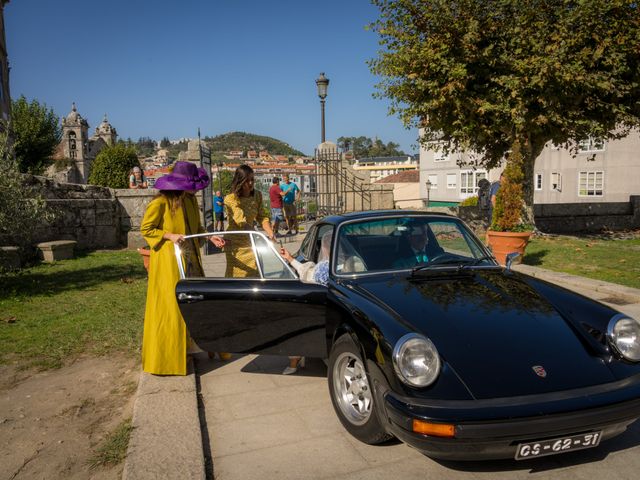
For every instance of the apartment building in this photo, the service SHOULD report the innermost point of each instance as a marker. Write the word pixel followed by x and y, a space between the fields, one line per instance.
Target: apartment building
pixel 599 171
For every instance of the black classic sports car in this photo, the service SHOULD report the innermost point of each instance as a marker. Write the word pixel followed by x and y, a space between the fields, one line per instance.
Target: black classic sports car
pixel 429 339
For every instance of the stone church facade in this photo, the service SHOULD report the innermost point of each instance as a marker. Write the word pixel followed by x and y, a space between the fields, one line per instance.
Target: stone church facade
pixel 79 149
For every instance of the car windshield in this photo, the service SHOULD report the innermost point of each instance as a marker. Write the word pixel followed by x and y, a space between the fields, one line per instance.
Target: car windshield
pixel 413 243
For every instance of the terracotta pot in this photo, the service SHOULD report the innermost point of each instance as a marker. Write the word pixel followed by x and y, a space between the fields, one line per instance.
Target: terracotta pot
pixel 145 252
pixel 502 243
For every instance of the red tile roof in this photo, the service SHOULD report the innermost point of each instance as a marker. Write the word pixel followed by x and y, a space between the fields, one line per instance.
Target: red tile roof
pixel 408 176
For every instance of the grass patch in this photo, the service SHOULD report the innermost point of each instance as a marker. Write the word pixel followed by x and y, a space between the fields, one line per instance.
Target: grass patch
pixel 610 260
pixel 113 449
pixel 55 312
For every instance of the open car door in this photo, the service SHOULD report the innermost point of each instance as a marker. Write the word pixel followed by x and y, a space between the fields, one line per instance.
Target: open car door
pixel 271 312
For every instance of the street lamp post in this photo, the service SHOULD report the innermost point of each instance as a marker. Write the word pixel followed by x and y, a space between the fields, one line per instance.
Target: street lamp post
pixel 322 83
pixel 428 185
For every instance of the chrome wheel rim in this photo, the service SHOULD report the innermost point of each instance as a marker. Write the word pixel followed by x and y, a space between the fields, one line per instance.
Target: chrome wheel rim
pixel 352 389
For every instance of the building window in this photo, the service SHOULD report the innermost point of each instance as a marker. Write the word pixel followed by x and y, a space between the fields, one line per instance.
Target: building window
pixel 538 181
pixel 590 184
pixel 433 179
pixel 469 181
pixel 452 180
pixel 556 181
pixel 440 156
pixel 591 144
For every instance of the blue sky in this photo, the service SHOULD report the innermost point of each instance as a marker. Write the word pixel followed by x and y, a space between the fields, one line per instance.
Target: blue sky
pixel 166 68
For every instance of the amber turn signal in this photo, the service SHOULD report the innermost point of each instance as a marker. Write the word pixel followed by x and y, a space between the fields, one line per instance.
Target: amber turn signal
pixel 434 429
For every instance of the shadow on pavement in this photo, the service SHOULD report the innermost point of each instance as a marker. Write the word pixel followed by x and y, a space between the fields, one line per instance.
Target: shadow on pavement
pixel 262 364
pixel 624 441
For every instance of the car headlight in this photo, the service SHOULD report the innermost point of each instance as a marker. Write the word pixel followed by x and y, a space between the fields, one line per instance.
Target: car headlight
pixel 416 360
pixel 624 336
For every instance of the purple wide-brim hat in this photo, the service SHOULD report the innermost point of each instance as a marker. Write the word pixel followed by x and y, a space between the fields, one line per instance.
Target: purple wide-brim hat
pixel 184 176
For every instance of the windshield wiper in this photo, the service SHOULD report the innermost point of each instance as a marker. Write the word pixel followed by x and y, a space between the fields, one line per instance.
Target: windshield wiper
pixel 445 266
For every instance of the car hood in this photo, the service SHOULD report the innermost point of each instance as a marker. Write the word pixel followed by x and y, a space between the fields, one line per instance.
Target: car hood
pixel 494 330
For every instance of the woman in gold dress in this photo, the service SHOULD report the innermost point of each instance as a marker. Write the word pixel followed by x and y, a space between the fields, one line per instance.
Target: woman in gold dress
pixel 244 208
pixel 171 215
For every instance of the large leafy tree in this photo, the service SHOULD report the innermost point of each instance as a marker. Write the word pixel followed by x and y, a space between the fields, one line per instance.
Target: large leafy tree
pixel 113 165
pixel 36 133
pixel 494 76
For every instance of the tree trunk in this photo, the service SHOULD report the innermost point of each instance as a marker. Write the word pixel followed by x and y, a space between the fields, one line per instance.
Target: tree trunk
pixel 530 153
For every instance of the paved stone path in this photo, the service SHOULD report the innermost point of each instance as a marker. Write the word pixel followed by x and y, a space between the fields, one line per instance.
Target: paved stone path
pixel 264 425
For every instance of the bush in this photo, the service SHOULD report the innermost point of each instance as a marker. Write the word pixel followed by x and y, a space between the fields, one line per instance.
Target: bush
pixel 469 202
pixel 22 208
pixel 112 166
pixel 508 212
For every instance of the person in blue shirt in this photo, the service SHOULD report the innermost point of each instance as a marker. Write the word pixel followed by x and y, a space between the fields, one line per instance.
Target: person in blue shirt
pixel 218 210
pixel 291 193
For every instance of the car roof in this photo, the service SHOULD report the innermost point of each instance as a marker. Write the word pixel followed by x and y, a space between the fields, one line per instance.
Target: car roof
pixel 337 219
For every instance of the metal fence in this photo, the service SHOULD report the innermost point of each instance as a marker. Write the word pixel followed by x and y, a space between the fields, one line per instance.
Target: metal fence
pixel 337 188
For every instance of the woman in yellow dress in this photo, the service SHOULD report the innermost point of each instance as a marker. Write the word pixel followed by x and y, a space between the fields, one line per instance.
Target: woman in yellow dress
pixel 244 208
pixel 171 215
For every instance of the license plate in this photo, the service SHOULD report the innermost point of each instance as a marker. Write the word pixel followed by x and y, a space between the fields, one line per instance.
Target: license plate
pixel 557 445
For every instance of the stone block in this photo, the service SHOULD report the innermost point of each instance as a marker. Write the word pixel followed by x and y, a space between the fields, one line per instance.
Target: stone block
pixel 9 258
pixel 56 250
pixel 135 240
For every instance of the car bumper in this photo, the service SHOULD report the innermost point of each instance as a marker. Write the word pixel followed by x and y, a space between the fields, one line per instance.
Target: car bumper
pixel 492 429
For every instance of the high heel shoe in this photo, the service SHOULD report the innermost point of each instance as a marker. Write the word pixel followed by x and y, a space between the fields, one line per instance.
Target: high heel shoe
pixel 291 370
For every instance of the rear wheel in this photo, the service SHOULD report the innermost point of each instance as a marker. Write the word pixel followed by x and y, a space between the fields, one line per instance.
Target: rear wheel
pixel 351 393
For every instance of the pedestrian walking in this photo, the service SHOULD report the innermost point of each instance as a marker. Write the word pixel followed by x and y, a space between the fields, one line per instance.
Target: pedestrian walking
pixel 218 211
pixel 171 215
pixel 275 201
pixel 291 193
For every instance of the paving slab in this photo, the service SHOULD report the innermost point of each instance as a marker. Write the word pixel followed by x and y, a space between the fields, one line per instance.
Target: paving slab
pixel 166 441
pixel 287 429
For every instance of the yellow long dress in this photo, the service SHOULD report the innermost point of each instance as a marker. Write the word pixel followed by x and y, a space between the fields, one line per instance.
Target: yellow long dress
pixel 242 212
pixel 165 339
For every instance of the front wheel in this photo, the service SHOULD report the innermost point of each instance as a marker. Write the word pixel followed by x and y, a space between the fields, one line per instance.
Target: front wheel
pixel 351 393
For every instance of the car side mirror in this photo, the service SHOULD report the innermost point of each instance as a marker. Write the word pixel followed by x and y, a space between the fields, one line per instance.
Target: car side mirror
pixel 510 258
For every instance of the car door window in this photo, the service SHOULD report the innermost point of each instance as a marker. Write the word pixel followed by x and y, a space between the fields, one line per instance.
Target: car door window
pixel 245 254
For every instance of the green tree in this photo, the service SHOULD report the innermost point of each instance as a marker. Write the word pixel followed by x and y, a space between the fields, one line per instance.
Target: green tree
pixel 363 147
pixel 22 208
pixel 224 177
pixel 486 75
pixel 36 134
pixel 113 165
pixel 165 142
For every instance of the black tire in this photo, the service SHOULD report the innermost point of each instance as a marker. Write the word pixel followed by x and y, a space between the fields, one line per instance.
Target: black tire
pixel 361 422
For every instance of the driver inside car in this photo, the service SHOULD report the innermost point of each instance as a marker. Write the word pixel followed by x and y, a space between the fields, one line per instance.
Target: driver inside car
pixel 418 248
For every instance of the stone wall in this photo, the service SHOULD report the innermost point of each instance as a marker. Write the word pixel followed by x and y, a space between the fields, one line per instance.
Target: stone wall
pixel 95 217
pixel 132 205
pixel 573 218
pixel 85 213
pixel 588 217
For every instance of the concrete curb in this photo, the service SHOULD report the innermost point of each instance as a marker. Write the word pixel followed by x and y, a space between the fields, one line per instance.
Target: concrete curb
pixel 567 280
pixel 166 441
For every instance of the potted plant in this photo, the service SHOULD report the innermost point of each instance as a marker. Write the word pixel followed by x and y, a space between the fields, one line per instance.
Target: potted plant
pixel 145 252
pixel 508 232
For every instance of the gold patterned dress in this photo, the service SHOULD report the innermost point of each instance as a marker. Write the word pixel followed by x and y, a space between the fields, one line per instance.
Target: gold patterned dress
pixel 242 213
pixel 165 338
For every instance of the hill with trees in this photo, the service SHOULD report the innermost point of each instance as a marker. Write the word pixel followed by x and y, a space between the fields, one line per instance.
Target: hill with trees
pixel 248 141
